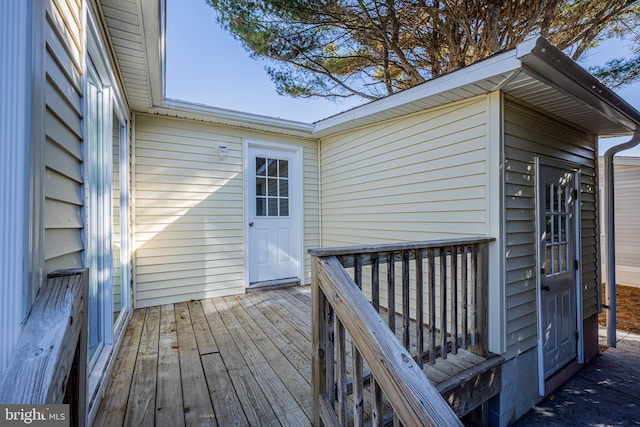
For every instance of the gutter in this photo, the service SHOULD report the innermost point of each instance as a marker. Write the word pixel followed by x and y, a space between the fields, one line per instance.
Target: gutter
pixel 609 221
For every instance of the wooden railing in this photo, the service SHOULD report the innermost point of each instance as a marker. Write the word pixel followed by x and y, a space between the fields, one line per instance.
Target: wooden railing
pixel 433 301
pixel 49 362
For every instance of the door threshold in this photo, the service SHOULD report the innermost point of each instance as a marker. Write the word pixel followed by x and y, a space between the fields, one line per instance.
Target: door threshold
pixel 273 284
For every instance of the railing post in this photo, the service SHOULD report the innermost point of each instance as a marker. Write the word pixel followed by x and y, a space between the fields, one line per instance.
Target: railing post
pixel 481 303
pixel 319 342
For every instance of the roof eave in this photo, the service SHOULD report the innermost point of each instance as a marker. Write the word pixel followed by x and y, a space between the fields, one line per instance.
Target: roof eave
pixel 542 58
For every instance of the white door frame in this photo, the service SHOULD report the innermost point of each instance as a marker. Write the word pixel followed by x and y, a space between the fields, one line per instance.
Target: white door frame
pixel 298 205
pixel 569 166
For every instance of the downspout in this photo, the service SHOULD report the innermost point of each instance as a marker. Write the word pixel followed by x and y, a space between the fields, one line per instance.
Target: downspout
pixel 610 233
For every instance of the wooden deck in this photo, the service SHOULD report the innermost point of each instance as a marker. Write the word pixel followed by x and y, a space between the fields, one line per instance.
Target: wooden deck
pixel 242 360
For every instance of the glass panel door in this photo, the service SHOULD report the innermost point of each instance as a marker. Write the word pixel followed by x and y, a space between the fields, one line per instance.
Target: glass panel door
pixel 94 135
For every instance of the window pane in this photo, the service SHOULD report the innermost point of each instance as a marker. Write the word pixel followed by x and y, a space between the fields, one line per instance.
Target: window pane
pixel 261 169
pixel 116 264
pixel 284 188
pixel 273 207
pixel 272 167
pixel 284 169
pixel 547 264
pixel 273 187
pixel 284 207
pixel 548 229
pixel 548 197
pixel 261 206
pixel 261 186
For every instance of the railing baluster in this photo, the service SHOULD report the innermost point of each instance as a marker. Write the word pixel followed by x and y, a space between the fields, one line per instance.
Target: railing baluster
pixel 341 369
pixel 375 281
pixel 357 270
pixel 464 291
pixel 443 303
pixel 391 291
pixel 432 306
pixel 358 389
pixel 454 299
pixel 474 294
pixel 357 357
pixel 419 309
pixel 406 311
pixel 319 343
pixel 330 387
pixel 377 409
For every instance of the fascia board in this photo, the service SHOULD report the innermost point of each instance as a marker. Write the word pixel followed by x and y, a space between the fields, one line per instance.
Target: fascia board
pixel 484 70
pixel 249 120
pixel 542 58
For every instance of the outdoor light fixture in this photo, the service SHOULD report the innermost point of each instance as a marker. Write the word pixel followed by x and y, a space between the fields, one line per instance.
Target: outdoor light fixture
pixel 222 150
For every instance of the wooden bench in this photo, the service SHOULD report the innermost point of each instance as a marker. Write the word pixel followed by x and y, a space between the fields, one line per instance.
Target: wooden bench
pixel 49 362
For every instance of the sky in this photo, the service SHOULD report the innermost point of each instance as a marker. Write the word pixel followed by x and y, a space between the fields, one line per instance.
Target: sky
pixel 206 65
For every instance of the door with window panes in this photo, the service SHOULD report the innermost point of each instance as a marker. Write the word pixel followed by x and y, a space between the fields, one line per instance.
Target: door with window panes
pixel 558 264
pixel 273 241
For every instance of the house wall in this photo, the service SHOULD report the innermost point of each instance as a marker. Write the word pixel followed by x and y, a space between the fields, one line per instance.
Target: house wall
pixel 62 179
pixel 416 178
pixel 627 206
pixel 189 208
pixel 420 177
pixel 527 132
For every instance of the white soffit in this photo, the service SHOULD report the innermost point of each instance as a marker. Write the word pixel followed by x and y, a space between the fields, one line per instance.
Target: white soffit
pixel 134 29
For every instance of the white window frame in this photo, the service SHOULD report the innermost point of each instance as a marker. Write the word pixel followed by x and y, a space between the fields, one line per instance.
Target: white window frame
pixel 99 217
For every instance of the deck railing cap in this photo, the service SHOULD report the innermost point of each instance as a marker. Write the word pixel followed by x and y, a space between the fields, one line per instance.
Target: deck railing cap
pixel 392 247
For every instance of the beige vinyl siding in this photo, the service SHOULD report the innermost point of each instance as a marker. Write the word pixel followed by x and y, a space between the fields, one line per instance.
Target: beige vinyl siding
pixel 527 133
pixel 421 177
pixel 189 208
pixel 627 220
pixel 63 180
pixel 416 178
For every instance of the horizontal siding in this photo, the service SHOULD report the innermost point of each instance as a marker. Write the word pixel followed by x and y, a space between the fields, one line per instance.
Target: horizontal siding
pixel 528 133
pixel 627 206
pixel 416 178
pixel 189 208
pixel 63 221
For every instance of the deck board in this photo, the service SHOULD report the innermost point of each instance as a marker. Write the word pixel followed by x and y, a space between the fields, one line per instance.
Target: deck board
pixel 169 407
pixel 241 360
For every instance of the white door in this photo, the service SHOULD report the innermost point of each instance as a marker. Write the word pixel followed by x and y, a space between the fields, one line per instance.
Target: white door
pixel 274 229
pixel 558 264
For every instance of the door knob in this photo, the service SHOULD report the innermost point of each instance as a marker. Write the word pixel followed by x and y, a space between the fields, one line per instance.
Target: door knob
pixel 546 288
pixel 251 224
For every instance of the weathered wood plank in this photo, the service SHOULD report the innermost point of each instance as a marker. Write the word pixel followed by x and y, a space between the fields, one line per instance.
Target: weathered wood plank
pixel 226 404
pixel 114 404
pixel 286 408
pixel 396 247
pixel 141 406
pixel 283 336
pixel 169 407
pixel 198 409
pixel 292 377
pixel 40 366
pixel 253 401
pixel 204 338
